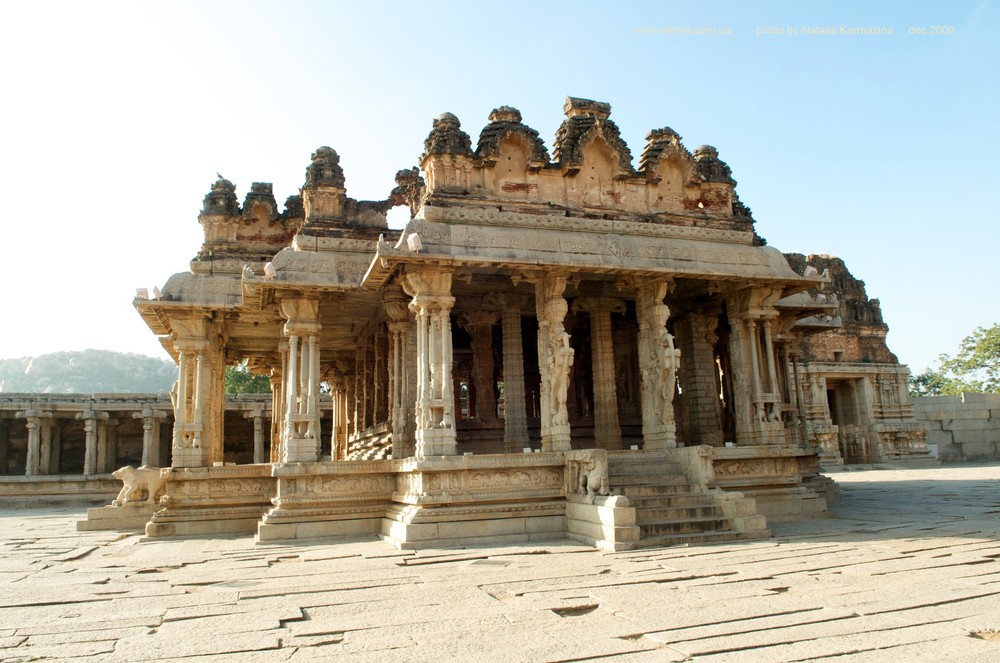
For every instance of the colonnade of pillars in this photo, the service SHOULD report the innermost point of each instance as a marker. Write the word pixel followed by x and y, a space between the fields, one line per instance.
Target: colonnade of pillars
pixel 403 373
pixel 45 440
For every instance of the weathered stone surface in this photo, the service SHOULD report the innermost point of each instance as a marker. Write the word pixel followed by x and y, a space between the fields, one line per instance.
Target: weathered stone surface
pixel 902 570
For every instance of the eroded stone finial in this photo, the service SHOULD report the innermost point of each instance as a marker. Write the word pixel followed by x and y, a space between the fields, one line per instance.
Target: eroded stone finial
pixel 706 152
pixel 409 188
pixel 261 194
pixel 221 199
pixel 325 168
pixel 710 167
pixel 659 142
pixel 504 121
pixel 447 137
pixel 576 106
pixel 505 114
pixel 293 208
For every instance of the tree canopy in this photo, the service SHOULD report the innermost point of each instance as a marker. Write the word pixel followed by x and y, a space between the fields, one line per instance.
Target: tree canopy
pixel 240 381
pixel 976 367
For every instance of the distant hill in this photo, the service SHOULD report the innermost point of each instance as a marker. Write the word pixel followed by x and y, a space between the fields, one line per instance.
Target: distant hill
pixel 86 372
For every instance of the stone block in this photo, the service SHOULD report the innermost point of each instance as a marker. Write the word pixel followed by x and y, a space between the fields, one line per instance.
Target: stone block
pixel 940 437
pixel 118 518
pixel 976 436
pixel 606 526
pixel 980 450
pixel 967 418
pixel 267 532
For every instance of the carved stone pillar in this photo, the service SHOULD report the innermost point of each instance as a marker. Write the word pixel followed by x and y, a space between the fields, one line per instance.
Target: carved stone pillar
pixel 480 325
pixel 699 377
pixel 45 445
pixel 338 415
pixel 33 422
pixel 4 445
pixel 150 435
pixel 90 427
pixel 555 361
pixel 400 394
pixel 107 445
pixel 350 410
pixel 258 433
pixel 607 431
pixel 756 398
pixel 300 440
pixel 191 395
pixel 360 389
pixel 515 424
pixel 658 363
pixel 435 403
pixel 277 407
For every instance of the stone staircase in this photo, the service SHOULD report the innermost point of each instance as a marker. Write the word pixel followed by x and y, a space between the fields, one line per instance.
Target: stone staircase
pixel 374 447
pixel 670 510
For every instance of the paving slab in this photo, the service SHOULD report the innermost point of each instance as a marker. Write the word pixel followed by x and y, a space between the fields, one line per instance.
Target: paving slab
pixel 907 568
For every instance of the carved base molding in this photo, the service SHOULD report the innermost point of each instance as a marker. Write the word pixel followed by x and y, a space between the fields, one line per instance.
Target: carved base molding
pixel 50 489
pixel 827 440
pixel 904 443
pixel 345 498
pixel 414 526
pixel 206 501
pixel 778 478
pixel 459 500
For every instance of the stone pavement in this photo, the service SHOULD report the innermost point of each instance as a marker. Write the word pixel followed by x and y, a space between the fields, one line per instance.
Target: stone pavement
pixel 906 570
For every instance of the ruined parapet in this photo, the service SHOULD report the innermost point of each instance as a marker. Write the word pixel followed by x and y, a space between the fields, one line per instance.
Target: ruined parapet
pixel 861 338
pixel 327 209
pixel 590 174
pixel 235 235
pixel 588 121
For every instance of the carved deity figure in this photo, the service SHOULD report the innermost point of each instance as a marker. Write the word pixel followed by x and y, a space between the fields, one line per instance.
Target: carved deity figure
pixel 668 364
pixel 561 362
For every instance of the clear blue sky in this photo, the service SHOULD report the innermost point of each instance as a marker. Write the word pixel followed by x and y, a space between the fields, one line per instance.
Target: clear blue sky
pixel 116 116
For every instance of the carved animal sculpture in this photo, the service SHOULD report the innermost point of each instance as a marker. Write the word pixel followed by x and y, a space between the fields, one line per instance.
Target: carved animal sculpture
pixel 140 481
pixel 593 479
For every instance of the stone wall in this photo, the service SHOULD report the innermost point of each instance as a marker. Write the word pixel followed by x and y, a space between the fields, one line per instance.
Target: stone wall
pixel 964 428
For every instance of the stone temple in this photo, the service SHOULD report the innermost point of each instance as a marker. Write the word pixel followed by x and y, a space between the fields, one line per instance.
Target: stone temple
pixel 556 344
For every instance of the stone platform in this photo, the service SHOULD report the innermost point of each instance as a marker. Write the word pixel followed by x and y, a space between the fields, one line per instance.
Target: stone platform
pixel 904 570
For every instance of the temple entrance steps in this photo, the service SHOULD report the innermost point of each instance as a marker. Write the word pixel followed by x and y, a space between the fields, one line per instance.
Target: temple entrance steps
pixel 377 446
pixel 672 510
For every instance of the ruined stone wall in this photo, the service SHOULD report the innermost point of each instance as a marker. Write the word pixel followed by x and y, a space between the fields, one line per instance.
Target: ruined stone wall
pixel 964 428
pixel 861 338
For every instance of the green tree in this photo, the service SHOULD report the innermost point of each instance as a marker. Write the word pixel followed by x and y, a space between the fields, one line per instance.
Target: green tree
pixel 239 380
pixel 976 367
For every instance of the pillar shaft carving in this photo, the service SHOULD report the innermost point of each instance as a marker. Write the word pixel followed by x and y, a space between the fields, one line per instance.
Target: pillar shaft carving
pixel 300 442
pixel 607 430
pixel 515 425
pixel 757 397
pixel 258 434
pixel 479 324
pixel 658 364
pixel 277 405
pixel 435 404
pixel 90 420
pixel 199 394
pixel 401 394
pixel 699 376
pixel 34 424
pixel 150 435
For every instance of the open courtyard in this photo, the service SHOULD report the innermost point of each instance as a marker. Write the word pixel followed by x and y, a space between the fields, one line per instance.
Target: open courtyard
pixel 906 569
